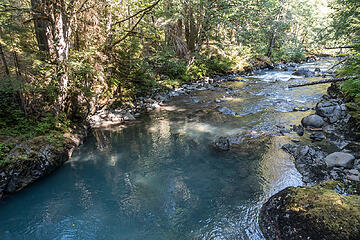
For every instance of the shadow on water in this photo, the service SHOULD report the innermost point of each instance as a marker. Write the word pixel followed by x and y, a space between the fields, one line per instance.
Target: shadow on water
pixel 160 178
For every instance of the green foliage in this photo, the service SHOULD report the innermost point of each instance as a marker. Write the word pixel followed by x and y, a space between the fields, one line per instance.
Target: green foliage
pixel 5 148
pixel 219 64
pixel 346 25
pixel 26 127
pixel 125 49
pixel 10 113
pixel 289 55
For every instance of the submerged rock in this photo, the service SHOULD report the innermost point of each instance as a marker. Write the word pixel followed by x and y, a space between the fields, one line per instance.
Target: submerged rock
pixel 227 111
pixel 303 72
pixel 313 120
pixel 316 212
pixel 340 159
pixel 222 143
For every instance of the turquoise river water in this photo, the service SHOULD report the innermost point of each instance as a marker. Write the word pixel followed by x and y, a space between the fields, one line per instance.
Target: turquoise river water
pixel 160 178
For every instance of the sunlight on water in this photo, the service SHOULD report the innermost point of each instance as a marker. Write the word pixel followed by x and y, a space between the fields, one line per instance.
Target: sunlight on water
pixel 160 178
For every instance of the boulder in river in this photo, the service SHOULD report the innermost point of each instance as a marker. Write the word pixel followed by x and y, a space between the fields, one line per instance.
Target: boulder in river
pixel 303 72
pixel 331 110
pixel 313 120
pixel 316 212
pixel 340 159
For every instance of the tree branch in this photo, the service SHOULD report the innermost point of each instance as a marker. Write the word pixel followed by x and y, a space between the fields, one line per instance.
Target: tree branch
pixel 147 9
pixel 132 29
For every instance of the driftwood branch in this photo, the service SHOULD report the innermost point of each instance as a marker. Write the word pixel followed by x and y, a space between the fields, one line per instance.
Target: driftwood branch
pixel 331 80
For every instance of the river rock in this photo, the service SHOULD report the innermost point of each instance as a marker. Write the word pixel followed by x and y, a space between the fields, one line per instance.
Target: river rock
pixel 298 129
pixel 303 72
pixel 222 143
pixel 301 109
pixel 309 161
pixel 353 178
pixel 129 117
pixel 313 120
pixel 331 110
pixel 316 212
pixel 340 159
pixel 227 111
pixel 317 136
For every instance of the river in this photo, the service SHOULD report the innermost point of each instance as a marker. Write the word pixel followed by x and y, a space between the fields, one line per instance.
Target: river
pixel 160 178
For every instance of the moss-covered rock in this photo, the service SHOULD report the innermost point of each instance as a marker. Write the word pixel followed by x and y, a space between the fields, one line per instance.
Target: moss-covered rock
pixel 316 212
pixel 35 158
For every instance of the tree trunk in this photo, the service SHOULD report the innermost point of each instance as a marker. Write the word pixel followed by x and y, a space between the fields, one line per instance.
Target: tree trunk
pixel 19 78
pixel 60 26
pixel 190 28
pixel 109 30
pixel 271 44
pixel 7 72
pixel 42 26
pixel 274 34
pixel 16 63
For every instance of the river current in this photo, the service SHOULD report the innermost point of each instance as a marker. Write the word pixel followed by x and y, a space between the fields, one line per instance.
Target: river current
pixel 159 177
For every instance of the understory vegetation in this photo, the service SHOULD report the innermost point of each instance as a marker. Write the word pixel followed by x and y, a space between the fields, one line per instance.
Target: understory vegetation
pixel 346 25
pixel 62 60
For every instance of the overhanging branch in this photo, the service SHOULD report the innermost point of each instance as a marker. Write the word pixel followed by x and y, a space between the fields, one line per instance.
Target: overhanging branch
pixel 147 9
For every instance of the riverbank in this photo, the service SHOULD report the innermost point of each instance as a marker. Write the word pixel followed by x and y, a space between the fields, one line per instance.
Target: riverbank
pixel 324 210
pixel 110 116
pixel 25 161
pixel 162 169
pixel 32 159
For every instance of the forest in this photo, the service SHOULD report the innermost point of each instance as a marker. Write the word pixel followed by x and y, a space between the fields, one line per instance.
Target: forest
pixel 63 60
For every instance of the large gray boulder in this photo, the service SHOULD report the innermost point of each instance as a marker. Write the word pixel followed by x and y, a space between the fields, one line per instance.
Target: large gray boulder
pixel 331 110
pixel 340 159
pixel 313 120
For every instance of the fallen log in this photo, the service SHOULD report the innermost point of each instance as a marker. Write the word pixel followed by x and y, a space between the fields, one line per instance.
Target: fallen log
pixel 337 64
pixel 339 47
pixel 331 80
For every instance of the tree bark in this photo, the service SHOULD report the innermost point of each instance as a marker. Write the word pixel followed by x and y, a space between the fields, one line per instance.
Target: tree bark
pixel 19 78
pixel 41 26
pixel 274 34
pixel 7 72
pixel 190 27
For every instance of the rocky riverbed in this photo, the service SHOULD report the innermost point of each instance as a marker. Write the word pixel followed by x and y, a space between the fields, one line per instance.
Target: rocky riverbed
pixel 334 153
pixel 330 210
